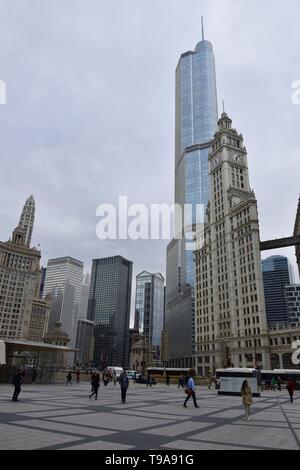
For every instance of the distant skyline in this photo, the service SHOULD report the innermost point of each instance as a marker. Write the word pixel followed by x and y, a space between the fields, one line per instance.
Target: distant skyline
pixel 90 112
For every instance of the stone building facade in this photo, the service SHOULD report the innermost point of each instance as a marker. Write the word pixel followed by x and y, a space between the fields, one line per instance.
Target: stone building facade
pixel 230 323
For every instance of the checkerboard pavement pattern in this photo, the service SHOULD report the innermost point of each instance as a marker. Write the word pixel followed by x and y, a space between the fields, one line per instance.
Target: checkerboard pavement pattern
pixel 153 418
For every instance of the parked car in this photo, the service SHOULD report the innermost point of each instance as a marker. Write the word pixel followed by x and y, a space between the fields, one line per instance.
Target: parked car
pixel 131 374
pixel 117 370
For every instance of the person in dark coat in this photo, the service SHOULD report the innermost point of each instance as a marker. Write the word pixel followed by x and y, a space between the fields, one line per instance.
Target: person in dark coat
pixel 34 376
pixel 95 385
pixel 291 386
pixel 17 381
pixel 69 378
pixel 124 384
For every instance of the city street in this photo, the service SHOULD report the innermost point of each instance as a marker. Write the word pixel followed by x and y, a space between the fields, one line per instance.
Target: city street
pixel 63 417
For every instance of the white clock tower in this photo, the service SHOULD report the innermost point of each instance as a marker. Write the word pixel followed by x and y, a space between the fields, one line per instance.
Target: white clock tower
pixel 231 326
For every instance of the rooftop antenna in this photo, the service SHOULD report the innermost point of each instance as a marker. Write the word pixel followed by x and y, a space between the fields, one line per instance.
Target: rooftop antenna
pixel 202 28
pixel 223 106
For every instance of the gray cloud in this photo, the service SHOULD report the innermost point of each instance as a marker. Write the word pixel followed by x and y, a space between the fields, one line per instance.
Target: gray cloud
pixel 90 110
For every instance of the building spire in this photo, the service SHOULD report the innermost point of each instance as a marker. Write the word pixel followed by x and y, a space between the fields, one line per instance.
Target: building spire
pixel 223 106
pixel 202 24
pixel 27 219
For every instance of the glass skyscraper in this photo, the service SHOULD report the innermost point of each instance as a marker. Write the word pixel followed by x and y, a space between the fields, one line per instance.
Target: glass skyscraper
pixel 63 283
pixel 196 123
pixel 149 307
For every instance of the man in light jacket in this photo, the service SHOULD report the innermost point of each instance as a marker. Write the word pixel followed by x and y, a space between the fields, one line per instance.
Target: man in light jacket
pixel 191 391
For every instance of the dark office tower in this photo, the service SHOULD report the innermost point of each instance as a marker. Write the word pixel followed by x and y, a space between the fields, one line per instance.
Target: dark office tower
pixel 196 123
pixel 276 275
pixel 109 308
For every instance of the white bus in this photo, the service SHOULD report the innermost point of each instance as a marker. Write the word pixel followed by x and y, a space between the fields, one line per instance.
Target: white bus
pixel 231 380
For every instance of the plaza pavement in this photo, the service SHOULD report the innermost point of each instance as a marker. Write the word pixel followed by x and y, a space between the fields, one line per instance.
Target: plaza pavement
pixel 63 417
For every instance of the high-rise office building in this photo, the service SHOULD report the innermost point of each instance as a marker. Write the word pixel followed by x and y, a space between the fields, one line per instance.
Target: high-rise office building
pixel 63 284
pixel 39 319
pixel 109 308
pixel 149 307
pixel 85 342
pixel 19 281
pixel 292 294
pixel 231 325
pixel 84 296
pixel 196 122
pixel 19 277
pixel 276 276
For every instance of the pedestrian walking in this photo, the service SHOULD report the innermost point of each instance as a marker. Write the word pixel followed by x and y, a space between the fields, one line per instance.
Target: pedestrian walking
pixel 17 381
pixel 78 377
pixel 95 385
pixel 167 379
pixel 34 376
pixel 149 381
pixel 105 378
pixel 274 384
pixel 191 391
pixel 247 398
pixel 181 381
pixel 69 378
pixel 291 386
pixel 124 384
pixel 92 381
pixel 279 383
pixel 115 378
pixel 22 372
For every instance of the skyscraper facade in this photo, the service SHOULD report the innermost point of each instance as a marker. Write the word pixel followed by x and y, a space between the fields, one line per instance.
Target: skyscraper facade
pixel 196 122
pixel 276 276
pixel 84 296
pixel 149 307
pixel 109 308
pixel 85 342
pixel 292 294
pixel 231 325
pixel 63 284
pixel 19 279
pixel 22 314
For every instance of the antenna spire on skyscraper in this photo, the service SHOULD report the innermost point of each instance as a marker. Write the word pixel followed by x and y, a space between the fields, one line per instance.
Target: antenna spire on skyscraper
pixel 202 24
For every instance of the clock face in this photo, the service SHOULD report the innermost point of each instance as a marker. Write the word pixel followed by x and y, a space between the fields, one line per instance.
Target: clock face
pixel 236 157
pixel 216 162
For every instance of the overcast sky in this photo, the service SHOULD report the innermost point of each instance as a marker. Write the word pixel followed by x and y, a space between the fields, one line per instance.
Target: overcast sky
pixel 90 111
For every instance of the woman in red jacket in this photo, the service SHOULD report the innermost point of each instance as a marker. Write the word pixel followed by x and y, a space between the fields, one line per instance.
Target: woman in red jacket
pixel 291 386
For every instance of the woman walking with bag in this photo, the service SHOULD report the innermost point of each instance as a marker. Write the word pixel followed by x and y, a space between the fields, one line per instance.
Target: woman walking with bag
pixel 247 398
